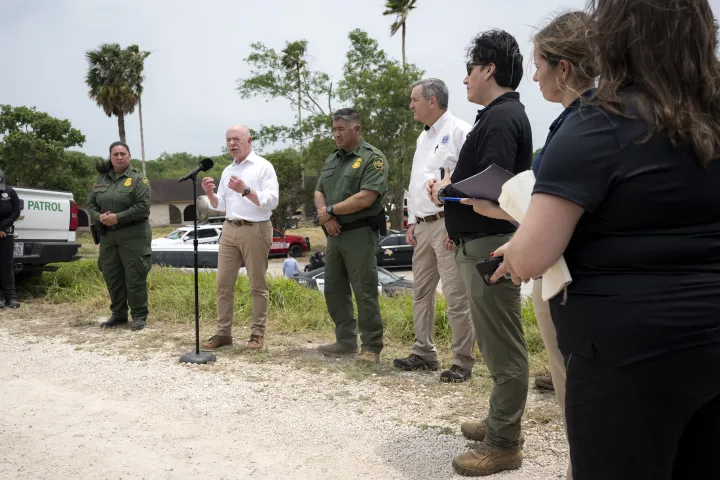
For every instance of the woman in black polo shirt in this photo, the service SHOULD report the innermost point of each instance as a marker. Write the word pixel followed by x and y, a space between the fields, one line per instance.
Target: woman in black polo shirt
pixel 628 191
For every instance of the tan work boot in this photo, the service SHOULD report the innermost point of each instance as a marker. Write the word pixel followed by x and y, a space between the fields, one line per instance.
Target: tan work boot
pixel 475 430
pixel 256 342
pixel 337 349
pixel 367 356
pixel 486 459
pixel 215 342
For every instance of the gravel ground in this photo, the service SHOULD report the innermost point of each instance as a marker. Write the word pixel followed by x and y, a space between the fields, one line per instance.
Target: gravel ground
pixel 67 412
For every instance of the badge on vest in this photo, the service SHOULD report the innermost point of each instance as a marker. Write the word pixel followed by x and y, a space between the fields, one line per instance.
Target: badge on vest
pixel 128 182
pixel 357 163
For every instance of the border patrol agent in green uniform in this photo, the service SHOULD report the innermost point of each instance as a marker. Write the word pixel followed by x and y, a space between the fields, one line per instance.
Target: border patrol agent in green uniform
pixel 119 206
pixel 349 197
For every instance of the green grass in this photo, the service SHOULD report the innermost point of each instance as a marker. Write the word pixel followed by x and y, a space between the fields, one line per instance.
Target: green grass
pixel 293 309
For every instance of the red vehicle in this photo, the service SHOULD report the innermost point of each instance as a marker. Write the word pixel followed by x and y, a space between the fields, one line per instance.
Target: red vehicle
pixel 282 244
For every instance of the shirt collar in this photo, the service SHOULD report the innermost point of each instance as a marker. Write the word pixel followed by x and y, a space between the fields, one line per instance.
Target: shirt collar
pixel 251 158
pixel 440 122
pixel 505 97
pixel 126 173
pixel 356 150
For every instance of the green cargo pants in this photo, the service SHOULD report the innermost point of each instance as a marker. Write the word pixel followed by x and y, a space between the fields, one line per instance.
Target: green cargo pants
pixel 495 311
pixel 125 261
pixel 351 259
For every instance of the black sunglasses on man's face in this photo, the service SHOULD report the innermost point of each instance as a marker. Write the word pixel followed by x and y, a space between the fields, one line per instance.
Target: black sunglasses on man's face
pixel 469 66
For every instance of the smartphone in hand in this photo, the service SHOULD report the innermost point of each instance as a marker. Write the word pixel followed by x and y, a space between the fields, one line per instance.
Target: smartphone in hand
pixel 486 268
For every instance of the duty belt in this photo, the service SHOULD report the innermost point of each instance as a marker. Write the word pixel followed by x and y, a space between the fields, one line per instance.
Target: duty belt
pixel 112 228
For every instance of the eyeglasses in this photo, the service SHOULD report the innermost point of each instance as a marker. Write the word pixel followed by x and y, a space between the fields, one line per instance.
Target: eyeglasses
pixel 469 66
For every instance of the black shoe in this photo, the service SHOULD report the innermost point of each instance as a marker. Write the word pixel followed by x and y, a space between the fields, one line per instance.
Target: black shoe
pixel 455 374
pixel 12 303
pixel 137 324
pixel 113 322
pixel 414 362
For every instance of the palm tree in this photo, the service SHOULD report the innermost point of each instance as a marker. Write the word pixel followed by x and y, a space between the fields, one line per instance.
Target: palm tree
pixel 136 60
pixel 401 10
pixel 294 63
pixel 109 81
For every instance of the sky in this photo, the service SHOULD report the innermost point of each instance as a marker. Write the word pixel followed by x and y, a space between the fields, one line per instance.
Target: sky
pixel 198 48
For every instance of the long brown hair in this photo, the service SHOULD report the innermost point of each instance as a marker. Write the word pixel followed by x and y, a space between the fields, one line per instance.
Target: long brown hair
pixel 666 51
pixel 564 38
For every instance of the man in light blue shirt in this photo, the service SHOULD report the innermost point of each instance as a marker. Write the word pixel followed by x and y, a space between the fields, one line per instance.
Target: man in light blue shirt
pixel 290 266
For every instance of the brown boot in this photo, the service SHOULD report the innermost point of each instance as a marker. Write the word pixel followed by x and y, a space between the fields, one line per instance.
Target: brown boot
pixel 366 356
pixel 475 430
pixel 256 342
pixel 337 349
pixel 486 459
pixel 215 342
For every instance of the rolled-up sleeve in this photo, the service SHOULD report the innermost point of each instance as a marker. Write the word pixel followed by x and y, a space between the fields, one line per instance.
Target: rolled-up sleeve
pixel 269 192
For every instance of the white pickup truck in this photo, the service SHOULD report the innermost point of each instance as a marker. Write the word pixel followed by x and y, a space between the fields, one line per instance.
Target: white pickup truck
pixel 45 230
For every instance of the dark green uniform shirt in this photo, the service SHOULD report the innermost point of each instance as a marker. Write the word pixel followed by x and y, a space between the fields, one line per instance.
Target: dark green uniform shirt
pixel 126 194
pixel 346 173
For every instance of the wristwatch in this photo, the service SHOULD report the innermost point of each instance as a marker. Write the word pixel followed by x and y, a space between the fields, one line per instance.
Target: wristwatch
pixel 246 192
pixel 329 210
pixel 441 193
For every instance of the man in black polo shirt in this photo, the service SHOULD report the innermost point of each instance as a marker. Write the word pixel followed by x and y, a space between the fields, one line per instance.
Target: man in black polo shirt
pixel 501 135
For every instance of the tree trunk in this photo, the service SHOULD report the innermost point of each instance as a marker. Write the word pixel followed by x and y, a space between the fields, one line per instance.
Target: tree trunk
pixel 299 107
pixel 403 45
pixel 121 127
pixel 142 136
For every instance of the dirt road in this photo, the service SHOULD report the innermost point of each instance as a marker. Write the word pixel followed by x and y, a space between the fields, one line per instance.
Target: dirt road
pixel 71 410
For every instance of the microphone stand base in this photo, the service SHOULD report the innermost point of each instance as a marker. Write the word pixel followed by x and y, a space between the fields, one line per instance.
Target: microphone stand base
pixel 198 358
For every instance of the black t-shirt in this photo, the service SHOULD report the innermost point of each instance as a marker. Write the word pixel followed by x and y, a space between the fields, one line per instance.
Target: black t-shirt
pixel 645 255
pixel 9 207
pixel 501 135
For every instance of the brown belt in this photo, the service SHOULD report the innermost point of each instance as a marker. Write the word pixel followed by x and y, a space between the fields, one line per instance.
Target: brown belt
pixel 240 223
pixel 431 218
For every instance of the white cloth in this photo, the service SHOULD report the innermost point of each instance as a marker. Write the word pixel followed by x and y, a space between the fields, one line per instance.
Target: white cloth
pixel 515 199
pixel 437 147
pixel 258 174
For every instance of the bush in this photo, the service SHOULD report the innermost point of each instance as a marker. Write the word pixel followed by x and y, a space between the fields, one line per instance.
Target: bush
pixel 293 308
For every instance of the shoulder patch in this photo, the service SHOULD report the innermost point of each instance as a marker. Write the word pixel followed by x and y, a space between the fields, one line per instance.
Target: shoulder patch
pixel 357 163
pixel 145 181
pixel 378 163
pixel 128 182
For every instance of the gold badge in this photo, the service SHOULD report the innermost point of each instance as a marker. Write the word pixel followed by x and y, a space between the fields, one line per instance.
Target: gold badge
pixel 128 182
pixel 379 164
pixel 357 163
pixel 145 181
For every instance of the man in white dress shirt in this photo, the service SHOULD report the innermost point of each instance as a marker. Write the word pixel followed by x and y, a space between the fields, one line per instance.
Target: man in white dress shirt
pixel 438 147
pixel 248 193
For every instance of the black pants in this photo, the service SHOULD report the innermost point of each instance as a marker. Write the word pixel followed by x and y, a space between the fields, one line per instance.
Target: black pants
pixel 654 420
pixel 7 277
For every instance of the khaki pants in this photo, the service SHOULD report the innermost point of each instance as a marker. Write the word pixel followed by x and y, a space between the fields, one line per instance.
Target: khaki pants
pixel 555 358
pixel 495 312
pixel 248 245
pixel 431 263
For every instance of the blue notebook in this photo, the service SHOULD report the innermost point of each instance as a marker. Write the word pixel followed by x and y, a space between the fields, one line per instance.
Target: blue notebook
pixel 486 184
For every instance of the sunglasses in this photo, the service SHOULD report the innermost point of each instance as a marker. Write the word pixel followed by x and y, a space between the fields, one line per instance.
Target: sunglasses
pixel 469 66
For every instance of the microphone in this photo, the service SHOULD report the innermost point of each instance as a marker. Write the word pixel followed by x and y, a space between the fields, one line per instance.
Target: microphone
pixel 204 165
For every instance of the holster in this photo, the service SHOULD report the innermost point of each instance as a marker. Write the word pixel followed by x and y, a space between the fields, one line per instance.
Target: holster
pixel 97 230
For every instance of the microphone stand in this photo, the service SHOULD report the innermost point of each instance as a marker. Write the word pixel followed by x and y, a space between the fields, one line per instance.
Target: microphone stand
pixel 196 357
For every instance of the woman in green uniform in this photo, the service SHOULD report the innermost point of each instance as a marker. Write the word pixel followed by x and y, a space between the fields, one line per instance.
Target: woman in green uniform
pixel 119 206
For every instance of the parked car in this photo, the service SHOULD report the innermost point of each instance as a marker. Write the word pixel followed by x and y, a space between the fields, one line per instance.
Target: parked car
pixel 388 283
pixel 283 243
pixel 394 251
pixel 206 234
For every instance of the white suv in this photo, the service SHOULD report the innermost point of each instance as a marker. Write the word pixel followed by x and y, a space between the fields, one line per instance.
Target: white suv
pixel 206 234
